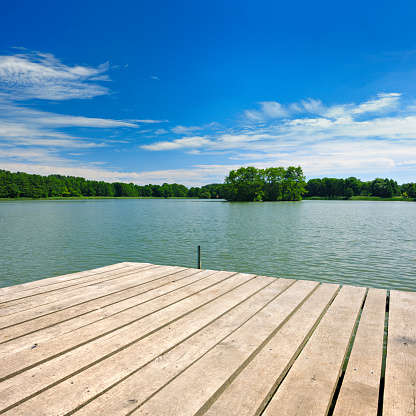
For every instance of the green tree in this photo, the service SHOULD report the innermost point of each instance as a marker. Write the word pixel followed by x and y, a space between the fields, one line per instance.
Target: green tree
pixel 12 190
pixel 166 190
pixel 354 184
pixel 293 184
pixel 349 193
pixel 273 183
pixel 193 192
pixel 244 184
pixel 205 195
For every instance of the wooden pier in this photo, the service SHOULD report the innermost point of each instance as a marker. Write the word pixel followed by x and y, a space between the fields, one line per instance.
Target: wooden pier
pixel 142 339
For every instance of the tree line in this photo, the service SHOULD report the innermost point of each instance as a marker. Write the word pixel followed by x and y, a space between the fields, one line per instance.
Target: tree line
pixel 243 184
pixel 24 185
pixel 346 188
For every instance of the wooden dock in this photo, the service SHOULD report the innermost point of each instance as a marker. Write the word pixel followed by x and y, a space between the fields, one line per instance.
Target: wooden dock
pixel 142 339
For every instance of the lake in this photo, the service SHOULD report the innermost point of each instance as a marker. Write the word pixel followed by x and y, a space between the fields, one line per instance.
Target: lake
pixel 349 242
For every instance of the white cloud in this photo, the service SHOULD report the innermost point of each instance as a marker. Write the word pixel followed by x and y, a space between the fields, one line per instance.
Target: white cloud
pixel 184 143
pixel 50 119
pixel 376 135
pixel 313 106
pixel 383 102
pixel 42 76
pixel 185 130
pixel 254 115
pixel 13 112
pixel 150 121
pixel 160 132
pixel 288 134
pixel 272 110
pixel 22 126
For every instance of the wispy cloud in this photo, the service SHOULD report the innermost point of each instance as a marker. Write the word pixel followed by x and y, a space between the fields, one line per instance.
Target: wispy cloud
pixel 42 76
pixel 383 102
pixel 22 126
pixel 184 143
pixel 268 110
pixel 185 129
pixel 272 110
pixel 376 134
pixel 150 121
pixel 32 135
pixel 13 112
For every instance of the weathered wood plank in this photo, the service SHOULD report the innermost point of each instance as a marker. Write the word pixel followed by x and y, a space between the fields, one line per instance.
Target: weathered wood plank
pixel 249 393
pixel 400 378
pixel 17 294
pixel 75 390
pixel 78 316
pixel 310 383
pixel 54 312
pixel 192 392
pixel 103 280
pixel 360 388
pixel 18 289
pixel 48 303
pixel 137 388
pixel 132 323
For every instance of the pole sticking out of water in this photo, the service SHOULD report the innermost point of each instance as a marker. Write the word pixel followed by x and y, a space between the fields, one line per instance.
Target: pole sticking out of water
pixel 199 257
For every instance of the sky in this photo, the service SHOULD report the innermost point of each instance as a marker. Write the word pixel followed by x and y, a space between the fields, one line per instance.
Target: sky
pixel 184 91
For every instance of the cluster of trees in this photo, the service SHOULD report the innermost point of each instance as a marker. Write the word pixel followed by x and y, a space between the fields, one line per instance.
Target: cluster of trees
pixel 16 185
pixel 346 188
pixel 271 184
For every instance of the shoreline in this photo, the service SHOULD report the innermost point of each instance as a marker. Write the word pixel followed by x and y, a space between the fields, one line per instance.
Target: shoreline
pixel 313 198
pixel 357 198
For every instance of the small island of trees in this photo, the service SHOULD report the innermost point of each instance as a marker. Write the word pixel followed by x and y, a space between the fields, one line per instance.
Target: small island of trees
pixel 271 184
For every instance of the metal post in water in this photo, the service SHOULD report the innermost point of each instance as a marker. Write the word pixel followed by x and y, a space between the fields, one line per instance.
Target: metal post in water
pixel 199 257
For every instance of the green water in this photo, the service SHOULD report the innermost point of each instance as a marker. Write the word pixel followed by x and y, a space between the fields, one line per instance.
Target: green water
pixel 348 242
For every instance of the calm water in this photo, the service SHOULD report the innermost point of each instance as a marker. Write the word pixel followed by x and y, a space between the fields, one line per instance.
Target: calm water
pixel 348 242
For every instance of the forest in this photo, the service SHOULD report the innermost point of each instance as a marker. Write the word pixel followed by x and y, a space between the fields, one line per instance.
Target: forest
pixel 243 184
pixel 347 188
pixel 24 185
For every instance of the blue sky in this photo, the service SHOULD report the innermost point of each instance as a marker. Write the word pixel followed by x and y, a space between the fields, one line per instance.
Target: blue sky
pixel 184 91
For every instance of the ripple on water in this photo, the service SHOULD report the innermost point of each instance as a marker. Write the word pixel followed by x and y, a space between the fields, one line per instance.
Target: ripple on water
pixel 345 242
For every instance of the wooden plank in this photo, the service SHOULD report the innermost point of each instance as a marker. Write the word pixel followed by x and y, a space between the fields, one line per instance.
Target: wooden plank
pixel 74 388
pixel 193 391
pixel 46 315
pixel 359 392
pixel 18 289
pixel 310 383
pixel 78 316
pixel 131 392
pixel 57 301
pixel 44 297
pixel 249 393
pixel 400 378
pixel 132 323
pixel 17 294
